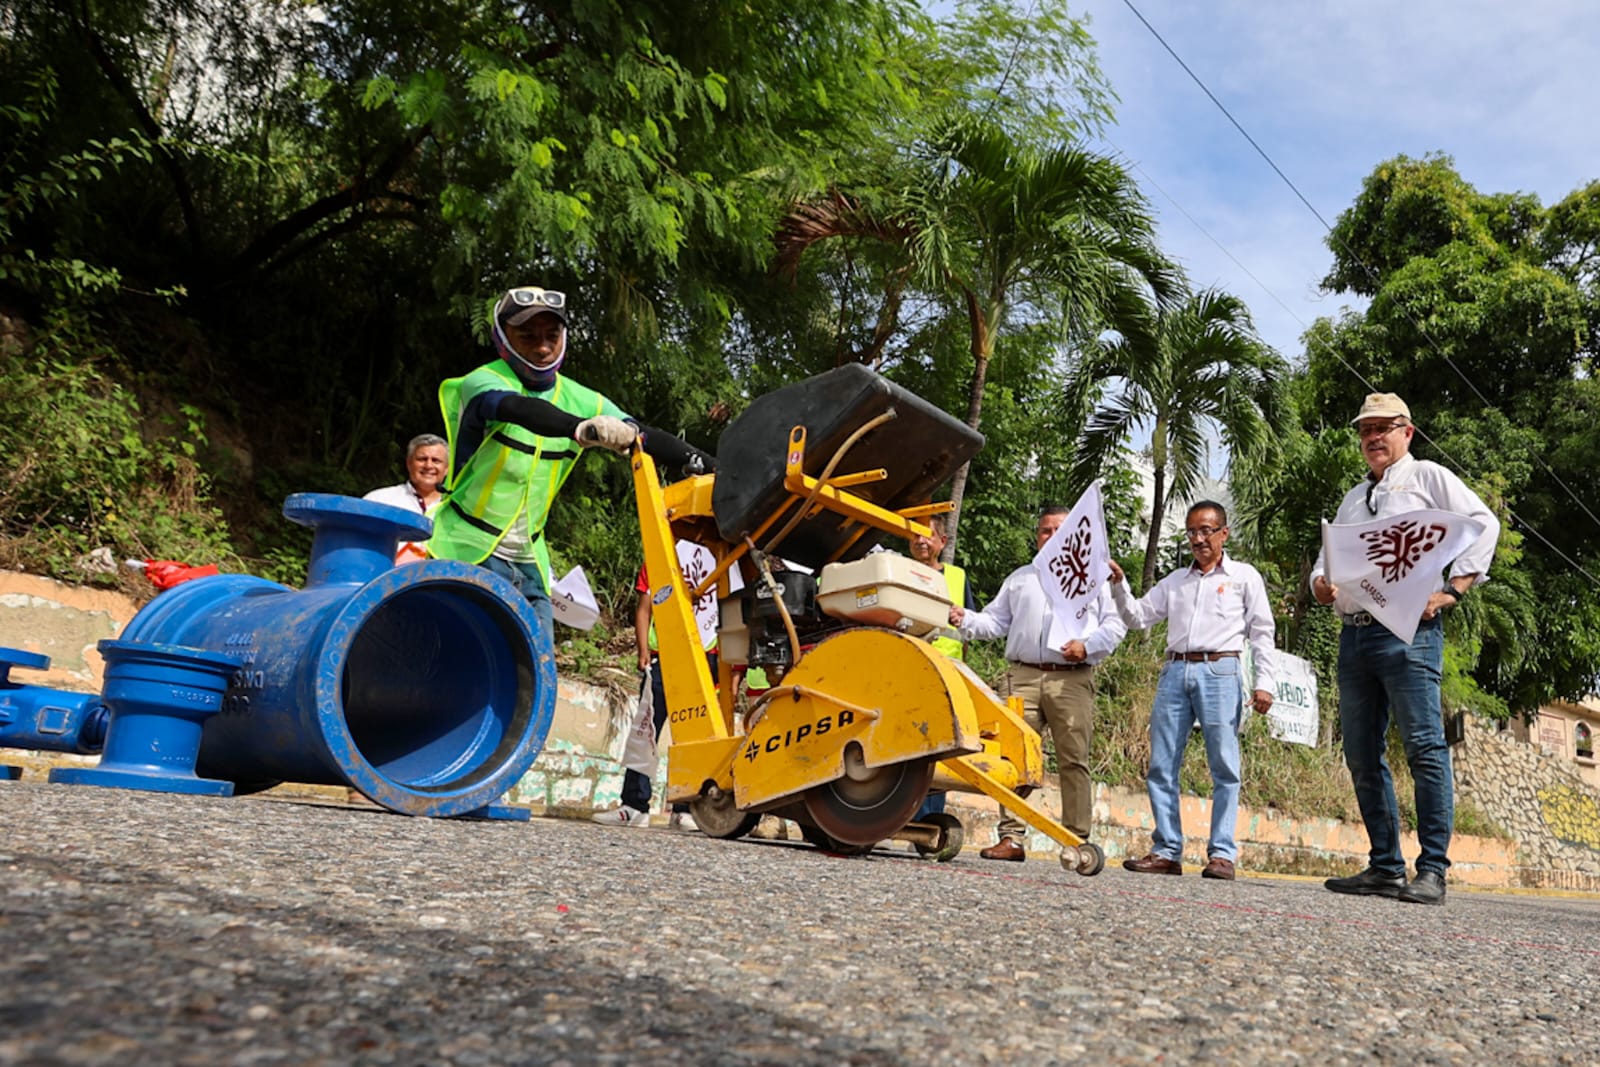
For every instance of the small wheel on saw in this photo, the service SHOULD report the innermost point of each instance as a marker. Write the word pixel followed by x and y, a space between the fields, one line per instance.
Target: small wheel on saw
pixel 1087 859
pixel 819 839
pixel 952 836
pixel 717 816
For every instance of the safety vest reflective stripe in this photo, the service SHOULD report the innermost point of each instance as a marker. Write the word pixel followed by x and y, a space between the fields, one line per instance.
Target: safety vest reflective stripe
pixel 471 519
pixel 534 450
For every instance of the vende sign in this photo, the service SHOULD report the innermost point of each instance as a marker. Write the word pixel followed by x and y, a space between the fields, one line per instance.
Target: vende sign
pixel 1294 706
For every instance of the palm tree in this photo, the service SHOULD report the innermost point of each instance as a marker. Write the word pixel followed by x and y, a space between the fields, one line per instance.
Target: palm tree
pixel 1001 228
pixel 1200 374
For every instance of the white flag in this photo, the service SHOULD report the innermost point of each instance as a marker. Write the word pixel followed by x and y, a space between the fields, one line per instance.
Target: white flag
pixel 697 562
pixel 1391 566
pixel 572 601
pixel 1073 565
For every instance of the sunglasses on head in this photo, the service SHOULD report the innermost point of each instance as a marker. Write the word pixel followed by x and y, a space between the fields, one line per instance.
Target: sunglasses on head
pixel 531 297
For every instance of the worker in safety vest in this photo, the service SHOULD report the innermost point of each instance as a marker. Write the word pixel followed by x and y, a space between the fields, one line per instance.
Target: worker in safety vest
pixel 927 550
pixel 517 427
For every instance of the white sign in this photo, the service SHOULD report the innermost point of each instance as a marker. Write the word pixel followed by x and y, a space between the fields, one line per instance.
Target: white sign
pixel 1293 716
pixel 1073 565
pixel 696 562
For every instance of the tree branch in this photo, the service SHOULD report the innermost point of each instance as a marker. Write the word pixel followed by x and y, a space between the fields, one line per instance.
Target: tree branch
pixel 146 122
pixel 363 190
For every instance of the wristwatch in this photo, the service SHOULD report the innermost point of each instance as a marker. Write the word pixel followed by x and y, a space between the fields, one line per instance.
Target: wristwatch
pixel 1452 592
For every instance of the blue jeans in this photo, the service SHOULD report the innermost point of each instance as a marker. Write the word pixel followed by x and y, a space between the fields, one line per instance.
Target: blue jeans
pixel 530 583
pixel 1380 676
pixel 1211 694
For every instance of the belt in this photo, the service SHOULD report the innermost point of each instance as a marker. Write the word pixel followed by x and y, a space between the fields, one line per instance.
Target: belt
pixel 1360 618
pixel 1056 666
pixel 1201 657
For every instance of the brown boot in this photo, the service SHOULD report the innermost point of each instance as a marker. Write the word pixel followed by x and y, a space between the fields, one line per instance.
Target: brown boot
pixel 1006 848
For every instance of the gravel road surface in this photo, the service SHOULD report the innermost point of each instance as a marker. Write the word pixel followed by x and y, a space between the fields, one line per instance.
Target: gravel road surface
pixel 148 929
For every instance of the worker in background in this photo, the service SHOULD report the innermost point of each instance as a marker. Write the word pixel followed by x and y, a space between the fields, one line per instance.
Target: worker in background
pixel 634 811
pixel 928 550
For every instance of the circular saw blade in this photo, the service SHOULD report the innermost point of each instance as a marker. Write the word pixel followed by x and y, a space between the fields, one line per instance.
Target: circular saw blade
pixel 865 809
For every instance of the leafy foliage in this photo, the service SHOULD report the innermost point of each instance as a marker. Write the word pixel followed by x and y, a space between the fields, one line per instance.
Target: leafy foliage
pixel 87 472
pixel 1198 375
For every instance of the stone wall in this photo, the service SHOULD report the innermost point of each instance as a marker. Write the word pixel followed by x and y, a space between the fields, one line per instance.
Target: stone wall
pixel 62 621
pixel 1552 814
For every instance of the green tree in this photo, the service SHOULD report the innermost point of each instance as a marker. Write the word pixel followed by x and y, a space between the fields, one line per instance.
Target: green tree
pixel 1201 376
pixel 1011 237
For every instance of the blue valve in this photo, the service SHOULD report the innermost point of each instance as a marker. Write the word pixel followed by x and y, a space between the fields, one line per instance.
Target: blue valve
pixel 41 719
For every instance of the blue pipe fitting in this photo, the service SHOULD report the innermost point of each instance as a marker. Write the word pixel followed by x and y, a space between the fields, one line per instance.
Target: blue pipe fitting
pixel 46 720
pixel 428 687
pixel 160 697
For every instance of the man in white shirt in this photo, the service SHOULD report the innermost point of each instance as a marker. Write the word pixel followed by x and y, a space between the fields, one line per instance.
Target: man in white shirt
pixel 425 465
pixel 1380 675
pixel 1213 608
pixel 1056 684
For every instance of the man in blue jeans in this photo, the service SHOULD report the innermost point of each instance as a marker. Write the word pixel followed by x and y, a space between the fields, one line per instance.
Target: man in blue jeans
pixel 1379 675
pixel 1213 608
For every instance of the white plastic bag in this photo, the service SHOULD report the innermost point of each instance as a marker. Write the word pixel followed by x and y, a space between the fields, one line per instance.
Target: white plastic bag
pixel 639 754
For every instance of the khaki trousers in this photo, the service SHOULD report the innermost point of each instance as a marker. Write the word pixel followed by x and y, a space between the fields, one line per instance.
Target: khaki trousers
pixel 1063 701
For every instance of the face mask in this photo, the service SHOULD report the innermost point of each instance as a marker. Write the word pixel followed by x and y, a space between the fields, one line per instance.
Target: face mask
pixel 536 378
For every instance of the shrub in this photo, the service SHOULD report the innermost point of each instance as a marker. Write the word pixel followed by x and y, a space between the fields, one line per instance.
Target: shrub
pixel 87 472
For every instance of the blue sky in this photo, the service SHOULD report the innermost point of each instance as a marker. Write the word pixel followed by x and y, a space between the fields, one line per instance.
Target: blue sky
pixel 1329 91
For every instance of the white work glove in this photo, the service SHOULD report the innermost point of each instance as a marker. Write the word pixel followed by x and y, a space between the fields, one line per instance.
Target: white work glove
pixel 607 432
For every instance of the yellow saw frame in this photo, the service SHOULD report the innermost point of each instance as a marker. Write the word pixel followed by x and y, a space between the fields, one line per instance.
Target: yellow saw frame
pixel 863 703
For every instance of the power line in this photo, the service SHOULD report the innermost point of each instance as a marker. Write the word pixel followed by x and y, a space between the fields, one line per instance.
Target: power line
pixel 1372 274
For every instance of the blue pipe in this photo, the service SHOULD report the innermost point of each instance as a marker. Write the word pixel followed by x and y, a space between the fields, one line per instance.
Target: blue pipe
pixel 46 720
pixel 429 687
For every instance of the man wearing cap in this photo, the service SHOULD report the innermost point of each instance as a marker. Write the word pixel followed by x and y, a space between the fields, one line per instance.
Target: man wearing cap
pixel 516 429
pixel 1213 607
pixel 1379 675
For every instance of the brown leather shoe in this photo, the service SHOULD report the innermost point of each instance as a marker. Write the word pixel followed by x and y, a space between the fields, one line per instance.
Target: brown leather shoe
pixel 1006 849
pixel 1153 864
pixel 1218 868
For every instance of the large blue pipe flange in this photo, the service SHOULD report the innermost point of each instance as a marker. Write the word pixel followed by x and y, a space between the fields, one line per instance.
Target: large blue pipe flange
pixel 429 687
pixel 160 697
pixel 46 720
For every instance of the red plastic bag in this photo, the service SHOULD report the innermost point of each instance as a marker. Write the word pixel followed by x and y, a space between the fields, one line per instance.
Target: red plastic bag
pixel 166 573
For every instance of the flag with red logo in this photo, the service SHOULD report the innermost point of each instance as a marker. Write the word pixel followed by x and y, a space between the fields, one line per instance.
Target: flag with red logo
pixel 1073 565
pixel 1391 566
pixel 696 562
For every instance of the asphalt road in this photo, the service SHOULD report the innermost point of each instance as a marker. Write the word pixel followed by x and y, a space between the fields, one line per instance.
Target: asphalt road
pixel 148 929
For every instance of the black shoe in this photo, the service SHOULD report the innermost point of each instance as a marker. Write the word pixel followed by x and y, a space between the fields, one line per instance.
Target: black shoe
pixel 1426 888
pixel 1370 883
